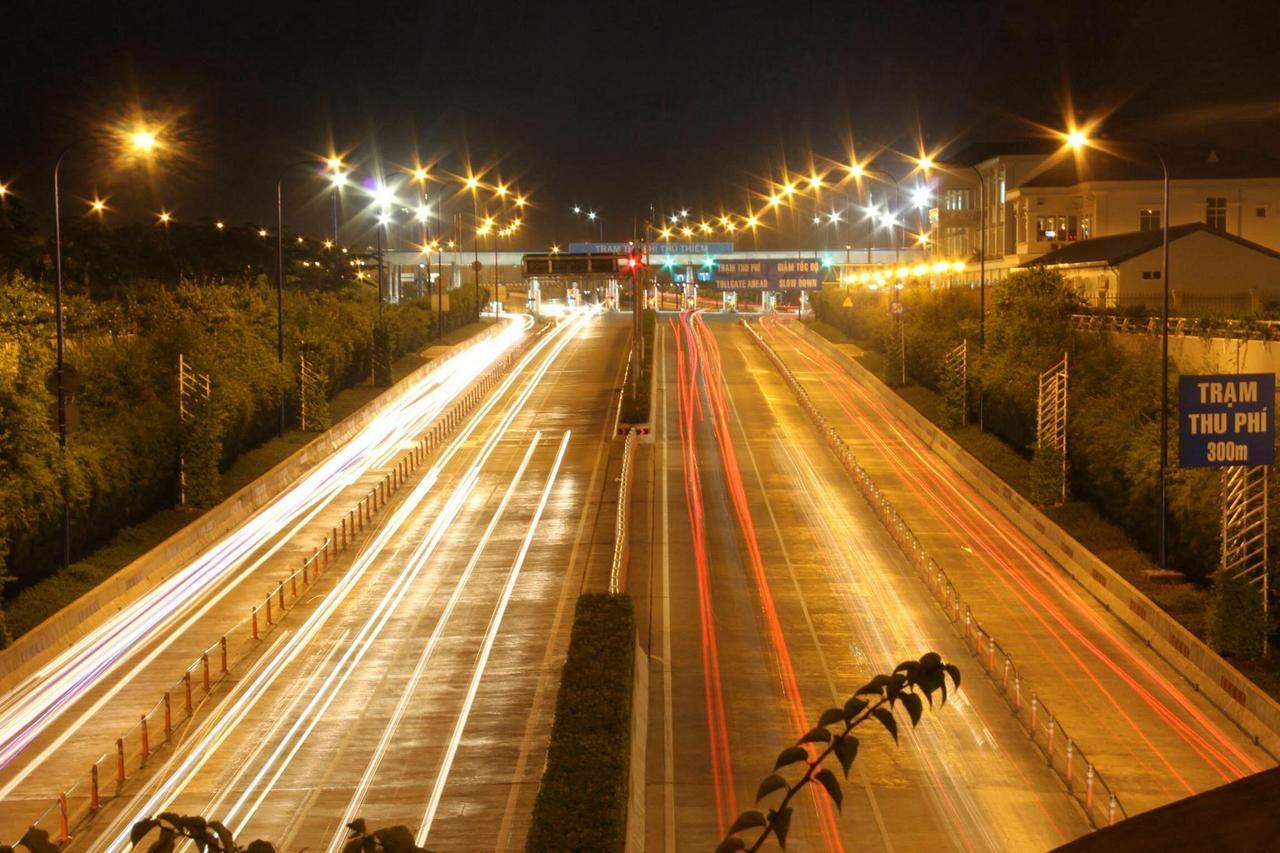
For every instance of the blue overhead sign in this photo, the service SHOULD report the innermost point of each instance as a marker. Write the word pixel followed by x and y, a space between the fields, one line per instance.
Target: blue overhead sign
pixel 768 274
pixel 599 248
pixel 1226 420
pixel 667 248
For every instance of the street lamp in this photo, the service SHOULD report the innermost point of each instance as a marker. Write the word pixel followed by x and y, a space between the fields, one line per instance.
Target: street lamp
pixel 142 141
pixel 1078 140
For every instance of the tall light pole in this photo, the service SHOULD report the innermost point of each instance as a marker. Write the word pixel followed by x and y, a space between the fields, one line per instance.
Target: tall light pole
pixel 982 288
pixel 1078 139
pixel 280 276
pixel 141 141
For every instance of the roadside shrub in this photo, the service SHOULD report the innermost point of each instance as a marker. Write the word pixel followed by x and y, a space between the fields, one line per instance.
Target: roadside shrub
pixel 1235 623
pixel 582 801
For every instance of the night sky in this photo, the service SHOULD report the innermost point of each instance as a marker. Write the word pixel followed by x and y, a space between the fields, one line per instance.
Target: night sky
pixel 612 106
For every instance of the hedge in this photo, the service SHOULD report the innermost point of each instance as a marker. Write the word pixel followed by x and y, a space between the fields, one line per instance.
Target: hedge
pixel 582 802
pixel 635 409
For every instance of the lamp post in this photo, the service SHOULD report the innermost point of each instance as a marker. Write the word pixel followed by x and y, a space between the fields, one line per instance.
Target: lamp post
pixel 141 141
pixel 1078 139
pixel 982 287
pixel 280 276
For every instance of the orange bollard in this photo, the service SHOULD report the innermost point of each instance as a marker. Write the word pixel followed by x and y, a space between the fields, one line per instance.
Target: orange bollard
pixel 168 715
pixel 204 661
pixel 222 644
pixel 255 623
pixel 269 622
pixel 186 690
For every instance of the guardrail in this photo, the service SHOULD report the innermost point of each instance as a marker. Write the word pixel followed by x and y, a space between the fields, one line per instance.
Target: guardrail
pixel 1062 753
pixel 132 750
pixel 60 630
pixel 622 519
pixel 1264 330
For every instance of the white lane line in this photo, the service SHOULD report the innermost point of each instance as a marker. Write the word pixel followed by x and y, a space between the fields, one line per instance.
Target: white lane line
pixel 250 690
pixel 491 635
pixel 375 761
pixel 668 726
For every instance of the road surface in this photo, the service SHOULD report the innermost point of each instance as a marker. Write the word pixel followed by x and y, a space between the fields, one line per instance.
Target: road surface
pixel 413 683
pixel 769 591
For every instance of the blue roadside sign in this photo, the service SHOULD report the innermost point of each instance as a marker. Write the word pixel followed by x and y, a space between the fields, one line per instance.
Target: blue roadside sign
pixel 1226 420
pixel 768 274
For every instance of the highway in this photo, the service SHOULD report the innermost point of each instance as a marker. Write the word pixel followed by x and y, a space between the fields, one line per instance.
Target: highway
pixel 767 591
pixel 1155 737
pixel 385 689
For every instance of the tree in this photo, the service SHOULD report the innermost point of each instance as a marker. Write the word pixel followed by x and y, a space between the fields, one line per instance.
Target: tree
pixel 834 735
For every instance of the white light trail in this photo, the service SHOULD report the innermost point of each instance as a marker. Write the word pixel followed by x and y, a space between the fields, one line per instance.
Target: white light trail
pixel 437 791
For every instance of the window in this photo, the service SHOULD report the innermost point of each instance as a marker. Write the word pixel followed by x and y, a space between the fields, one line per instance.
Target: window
pixel 1084 228
pixel 1147 275
pixel 1149 219
pixel 1215 212
pixel 956 200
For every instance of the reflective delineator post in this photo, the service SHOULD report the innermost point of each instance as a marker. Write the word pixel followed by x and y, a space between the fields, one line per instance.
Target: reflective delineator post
pixel 1004 681
pixel 1071 752
pixel 1111 811
pixel 255 623
pixel 991 654
pixel 1017 692
pixel 1035 707
pixel 168 715
pixel 120 761
pixel 1088 789
pixel 293 585
pixel 280 595
pixel 1052 728
pixel 146 742
pixel 204 663
pixel 95 801
pixel 186 690
pixel 222 645
pixel 64 826
pixel 306 578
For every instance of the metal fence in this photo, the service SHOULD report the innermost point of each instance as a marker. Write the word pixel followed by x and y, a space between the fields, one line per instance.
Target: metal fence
pixel 155 732
pixel 622 519
pixel 1264 330
pixel 1061 752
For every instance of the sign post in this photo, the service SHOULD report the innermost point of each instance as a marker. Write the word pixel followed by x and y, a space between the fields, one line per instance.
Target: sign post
pixel 1228 422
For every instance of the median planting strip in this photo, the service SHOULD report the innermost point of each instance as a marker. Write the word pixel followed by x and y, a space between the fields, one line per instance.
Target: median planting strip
pixel 582 801
pixel 1064 756
pixel 80 803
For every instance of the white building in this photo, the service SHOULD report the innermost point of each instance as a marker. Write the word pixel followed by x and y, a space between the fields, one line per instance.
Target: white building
pixel 1041 198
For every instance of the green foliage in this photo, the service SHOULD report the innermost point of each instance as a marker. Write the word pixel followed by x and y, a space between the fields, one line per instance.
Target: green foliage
pixel 1236 623
pixel 635 408
pixel 1113 429
pixel 582 801
pixel 909 686
pixel 393 839
pixel 951 385
pixel 382 345
pixel 121 463
pixel 1046 477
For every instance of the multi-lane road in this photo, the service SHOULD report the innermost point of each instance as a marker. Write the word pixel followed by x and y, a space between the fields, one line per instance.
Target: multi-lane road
pixel 414 682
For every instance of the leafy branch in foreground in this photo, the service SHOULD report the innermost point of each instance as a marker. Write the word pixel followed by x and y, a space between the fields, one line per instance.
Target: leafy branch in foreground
pixel 909 681
pixel 210 836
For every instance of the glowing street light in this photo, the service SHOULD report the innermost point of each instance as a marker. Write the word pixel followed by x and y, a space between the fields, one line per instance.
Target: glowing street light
pixel 143 141
pixel 1077 139
pixel 925 163
pixel 164 217
pixel 262 232
pixel 98 206
pixel 4 189
pixel 220 225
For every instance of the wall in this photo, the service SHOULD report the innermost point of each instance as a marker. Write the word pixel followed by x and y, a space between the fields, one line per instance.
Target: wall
pixel 77 619
pixel 1256 712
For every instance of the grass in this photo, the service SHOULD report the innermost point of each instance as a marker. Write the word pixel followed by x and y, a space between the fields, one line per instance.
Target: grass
pixel 582 801
pixel 33 604
pixel 1185 602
